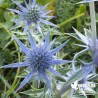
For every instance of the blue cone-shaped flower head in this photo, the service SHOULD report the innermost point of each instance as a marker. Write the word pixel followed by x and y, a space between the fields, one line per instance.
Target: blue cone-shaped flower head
pixel 32 14
pixel 38 59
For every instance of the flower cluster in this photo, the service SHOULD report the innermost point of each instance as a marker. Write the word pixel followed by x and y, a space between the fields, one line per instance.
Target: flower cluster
pixel 32 14
pixel 38 58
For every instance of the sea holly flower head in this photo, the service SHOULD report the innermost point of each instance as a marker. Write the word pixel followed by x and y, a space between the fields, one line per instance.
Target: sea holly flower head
pixel 39 58
pixel 33 13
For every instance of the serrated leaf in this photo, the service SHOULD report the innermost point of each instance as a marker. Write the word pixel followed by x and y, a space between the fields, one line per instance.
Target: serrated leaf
pixel 63 70
pixel 80 74
pixel 73 35
pixel 79 54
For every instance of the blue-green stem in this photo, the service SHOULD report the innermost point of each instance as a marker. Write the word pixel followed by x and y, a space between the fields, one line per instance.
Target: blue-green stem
pixel 93 22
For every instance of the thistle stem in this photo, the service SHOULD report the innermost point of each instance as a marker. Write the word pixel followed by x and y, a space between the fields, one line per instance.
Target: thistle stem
pixel 93 22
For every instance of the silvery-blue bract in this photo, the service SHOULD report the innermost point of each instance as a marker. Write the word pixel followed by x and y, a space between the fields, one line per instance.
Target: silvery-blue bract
pixel 39 59
pixel 88 45
pixel 76 85
pixel 86 86
pixel 33 14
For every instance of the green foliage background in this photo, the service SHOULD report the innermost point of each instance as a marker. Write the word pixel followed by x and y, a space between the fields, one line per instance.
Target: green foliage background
pixel 68 14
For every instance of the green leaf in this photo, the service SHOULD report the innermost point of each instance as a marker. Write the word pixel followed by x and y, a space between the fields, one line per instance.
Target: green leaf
pixel 71 19
pixel 74 35
pixel 77 96
pixel 8 24
pixel 81 9
pixel 64 70
pixel 3 36
pixel 95 77
pixel 3 5
pixel 32 91
pixel 8 15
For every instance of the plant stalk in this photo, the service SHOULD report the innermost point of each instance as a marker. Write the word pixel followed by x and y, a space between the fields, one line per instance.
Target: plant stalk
pixel 93 22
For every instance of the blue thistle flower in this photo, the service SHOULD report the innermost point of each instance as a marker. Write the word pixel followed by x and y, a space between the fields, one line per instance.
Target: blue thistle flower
pixel 33 14
pixel 86 39
pixel 38 59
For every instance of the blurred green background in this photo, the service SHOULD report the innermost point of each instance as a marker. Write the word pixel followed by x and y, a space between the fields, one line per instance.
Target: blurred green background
pixel 68 14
